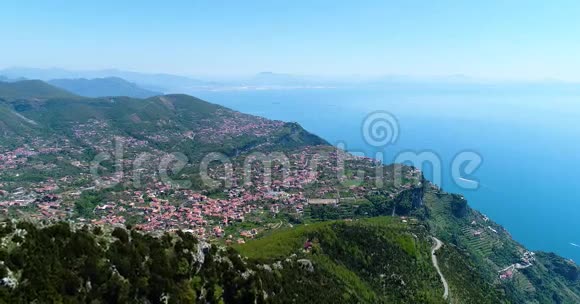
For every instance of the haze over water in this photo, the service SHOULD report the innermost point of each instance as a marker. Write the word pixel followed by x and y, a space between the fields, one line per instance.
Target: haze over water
pixel 527 138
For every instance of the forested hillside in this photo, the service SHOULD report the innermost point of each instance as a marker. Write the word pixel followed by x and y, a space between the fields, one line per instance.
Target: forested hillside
pixel 379 260
pixel 101 87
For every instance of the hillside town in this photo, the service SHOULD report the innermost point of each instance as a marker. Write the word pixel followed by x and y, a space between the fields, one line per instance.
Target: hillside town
pixel 305 177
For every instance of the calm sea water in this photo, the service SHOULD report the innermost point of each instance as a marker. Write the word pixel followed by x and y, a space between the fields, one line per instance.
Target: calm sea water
pixel 530 144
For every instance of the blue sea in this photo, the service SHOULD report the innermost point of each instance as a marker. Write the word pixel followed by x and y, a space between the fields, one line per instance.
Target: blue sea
pixel 529 141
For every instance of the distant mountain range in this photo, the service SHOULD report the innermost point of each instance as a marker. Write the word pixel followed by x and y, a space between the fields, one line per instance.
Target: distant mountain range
pixel 111 82
pixel 58 88
pixel 165 83
pixel 101 87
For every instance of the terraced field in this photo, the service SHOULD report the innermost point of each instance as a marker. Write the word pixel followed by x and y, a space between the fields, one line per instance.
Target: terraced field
pixel 483 244
pixel 346 209
pixel 522 282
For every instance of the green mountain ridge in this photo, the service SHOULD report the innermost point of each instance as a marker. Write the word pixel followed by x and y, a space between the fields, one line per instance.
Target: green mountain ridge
pixel 31 89
pixel 103 87
pixel 46 109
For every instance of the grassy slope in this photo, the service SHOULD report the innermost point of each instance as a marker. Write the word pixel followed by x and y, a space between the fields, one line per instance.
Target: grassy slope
pixel 376 260
pixel 100 87
pixel 14 129
pixel 32 89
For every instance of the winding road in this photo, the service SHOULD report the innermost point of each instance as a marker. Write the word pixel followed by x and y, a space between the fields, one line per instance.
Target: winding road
pixel 437 246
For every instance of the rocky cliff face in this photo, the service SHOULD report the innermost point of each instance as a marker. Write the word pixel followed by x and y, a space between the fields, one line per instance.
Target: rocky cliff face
pixel 417 197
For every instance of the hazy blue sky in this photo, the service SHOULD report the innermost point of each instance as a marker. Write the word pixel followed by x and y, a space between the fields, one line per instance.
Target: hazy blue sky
pixel 493 39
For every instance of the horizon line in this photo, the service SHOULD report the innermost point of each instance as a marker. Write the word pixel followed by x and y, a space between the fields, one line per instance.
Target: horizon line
pixel 334 77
